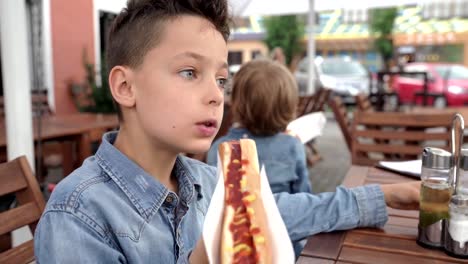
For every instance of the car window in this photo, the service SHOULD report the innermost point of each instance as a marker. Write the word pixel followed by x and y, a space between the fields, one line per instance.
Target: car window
pixel 303 65
pixel 342 67
pixel 412 69
pixel 453 72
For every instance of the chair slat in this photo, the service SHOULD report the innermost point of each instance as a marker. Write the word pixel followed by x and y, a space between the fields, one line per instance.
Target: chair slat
pixel 406 119
pixel 10 178
pixel 23 253
pixel 389 149
pixel 402 135
pixel 396 135
pixel 18 217
pixel 16 177
pixel 363 103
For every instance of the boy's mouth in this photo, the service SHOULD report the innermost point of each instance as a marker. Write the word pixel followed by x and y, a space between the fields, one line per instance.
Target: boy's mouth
pixel 209 123
pixel 207 128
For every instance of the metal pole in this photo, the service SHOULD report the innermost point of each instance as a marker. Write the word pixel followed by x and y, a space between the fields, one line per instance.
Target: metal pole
pixel 425 88
pixel 16 72
pixel 311 48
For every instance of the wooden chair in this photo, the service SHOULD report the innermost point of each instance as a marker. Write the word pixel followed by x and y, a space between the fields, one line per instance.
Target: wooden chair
pixel 397 136
pixel 341 117
pixel 322 98
pixel 303 105
pixel 313 103
pixel 16 177
pixel 363 103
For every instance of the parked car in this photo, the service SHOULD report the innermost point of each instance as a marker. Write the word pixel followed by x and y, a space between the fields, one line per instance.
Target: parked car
pixel 302 77
pixel 343 75
pixel 448 80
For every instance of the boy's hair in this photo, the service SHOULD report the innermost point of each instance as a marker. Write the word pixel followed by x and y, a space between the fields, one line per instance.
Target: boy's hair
pixel 264 97
pixel 140 26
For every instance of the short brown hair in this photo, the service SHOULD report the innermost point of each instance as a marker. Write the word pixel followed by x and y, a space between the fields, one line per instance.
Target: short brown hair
pixel 139 27
pixel 264 97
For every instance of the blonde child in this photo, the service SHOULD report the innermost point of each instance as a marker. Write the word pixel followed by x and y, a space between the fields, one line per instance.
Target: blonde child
pixel 264 101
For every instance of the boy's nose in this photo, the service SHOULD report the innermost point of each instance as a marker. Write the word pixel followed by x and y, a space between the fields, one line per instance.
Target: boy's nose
pixel 215 95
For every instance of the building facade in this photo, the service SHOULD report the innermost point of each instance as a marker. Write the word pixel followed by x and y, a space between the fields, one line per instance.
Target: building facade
pixel 66 34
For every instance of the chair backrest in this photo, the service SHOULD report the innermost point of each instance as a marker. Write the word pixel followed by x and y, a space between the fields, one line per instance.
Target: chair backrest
pixel 322 97
pixel 363 103
pixel 313 103
pixel 16 177
pixel 396 135
pixel 341 117
pixel 304 102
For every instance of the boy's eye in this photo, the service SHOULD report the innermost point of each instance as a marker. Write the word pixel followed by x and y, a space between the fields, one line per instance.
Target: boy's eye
pixel 222 82
pixel 187 74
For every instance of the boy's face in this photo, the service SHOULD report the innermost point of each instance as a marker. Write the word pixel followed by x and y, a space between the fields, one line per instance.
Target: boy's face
pixel 179 86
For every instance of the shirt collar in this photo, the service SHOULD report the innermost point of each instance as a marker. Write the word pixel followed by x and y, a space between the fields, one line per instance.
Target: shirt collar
pixel 145 192
pixel 239 131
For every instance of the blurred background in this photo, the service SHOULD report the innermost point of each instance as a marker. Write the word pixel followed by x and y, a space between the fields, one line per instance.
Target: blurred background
pixel 53 52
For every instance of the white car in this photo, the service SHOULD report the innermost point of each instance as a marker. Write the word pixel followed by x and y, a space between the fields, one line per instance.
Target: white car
pixel 344 76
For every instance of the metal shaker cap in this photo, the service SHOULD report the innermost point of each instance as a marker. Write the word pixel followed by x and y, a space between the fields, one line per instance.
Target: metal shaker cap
pixel 435 158
pixel 459 200
pixel 463 163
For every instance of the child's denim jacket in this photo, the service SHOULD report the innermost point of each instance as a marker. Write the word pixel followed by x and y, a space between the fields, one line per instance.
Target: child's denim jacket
pixel 111 211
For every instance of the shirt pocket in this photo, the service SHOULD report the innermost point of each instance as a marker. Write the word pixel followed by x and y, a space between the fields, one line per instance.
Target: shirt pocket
pixel 281 174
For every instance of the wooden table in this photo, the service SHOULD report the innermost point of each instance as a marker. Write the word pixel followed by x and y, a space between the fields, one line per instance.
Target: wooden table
pixel 394 243
pixel 82 128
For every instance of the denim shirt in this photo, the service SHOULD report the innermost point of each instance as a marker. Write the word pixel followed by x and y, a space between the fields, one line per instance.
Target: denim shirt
pixel 282 155
pixel 111 211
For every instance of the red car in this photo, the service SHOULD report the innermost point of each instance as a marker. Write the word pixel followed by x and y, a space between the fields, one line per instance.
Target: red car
pixel 450 81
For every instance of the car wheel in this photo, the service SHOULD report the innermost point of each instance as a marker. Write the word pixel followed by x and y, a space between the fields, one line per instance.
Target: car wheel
pixel 440 102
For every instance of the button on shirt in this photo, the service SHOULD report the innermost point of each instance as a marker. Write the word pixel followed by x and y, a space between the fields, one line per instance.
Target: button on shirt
pixel 111 211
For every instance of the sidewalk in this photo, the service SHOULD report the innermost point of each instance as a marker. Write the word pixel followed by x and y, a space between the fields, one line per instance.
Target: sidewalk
pixel 336 158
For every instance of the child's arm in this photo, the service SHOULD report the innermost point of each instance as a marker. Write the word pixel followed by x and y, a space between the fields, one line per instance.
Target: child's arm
pixel 62 237
pixel 305 214
pixel 366 206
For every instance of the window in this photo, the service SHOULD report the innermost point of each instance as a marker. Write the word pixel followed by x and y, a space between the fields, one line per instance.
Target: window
pixel 452 72
pixel 416 68
pixel 256 54
pixel 234 57
pixel 351 16
pixel 445 10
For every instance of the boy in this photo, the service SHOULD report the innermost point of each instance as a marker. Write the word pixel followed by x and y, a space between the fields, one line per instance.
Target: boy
pixel 137 200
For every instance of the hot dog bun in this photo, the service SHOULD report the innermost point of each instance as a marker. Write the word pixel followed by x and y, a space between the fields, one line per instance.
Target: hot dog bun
pixel 245 235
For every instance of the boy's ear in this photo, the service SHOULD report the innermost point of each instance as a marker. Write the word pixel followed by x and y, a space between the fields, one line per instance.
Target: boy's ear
pixel 120 86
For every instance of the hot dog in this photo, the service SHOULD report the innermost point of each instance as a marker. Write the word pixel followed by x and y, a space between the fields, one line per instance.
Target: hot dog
pixel 244 233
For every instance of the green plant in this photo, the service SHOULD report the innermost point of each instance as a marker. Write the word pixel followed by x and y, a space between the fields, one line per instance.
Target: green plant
pixel 103 102
pixel 285 32
pixel 381 26
pixel 89 96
